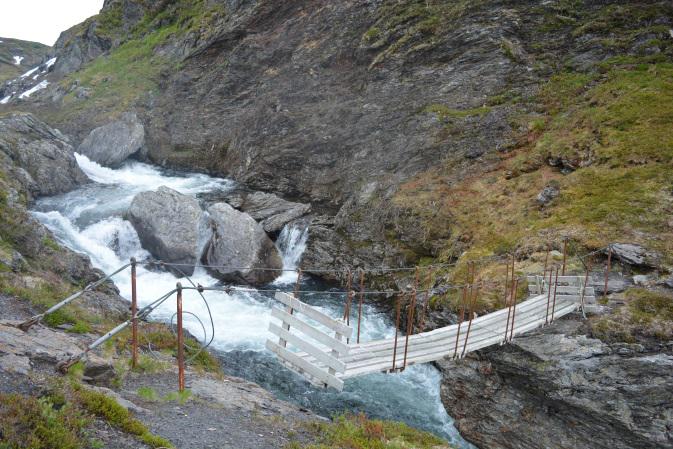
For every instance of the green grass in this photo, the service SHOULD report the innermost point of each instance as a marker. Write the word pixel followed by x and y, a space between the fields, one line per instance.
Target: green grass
pixel 148 393
pixel 178 396
pixel 359 432
pixel 29 422
pixel 647 315
pixel 108 409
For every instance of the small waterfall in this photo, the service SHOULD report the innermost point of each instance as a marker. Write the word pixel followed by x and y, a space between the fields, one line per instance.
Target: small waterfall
pixel 291 243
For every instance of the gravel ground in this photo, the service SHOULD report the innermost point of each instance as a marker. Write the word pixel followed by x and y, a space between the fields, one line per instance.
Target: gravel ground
pixel 227 413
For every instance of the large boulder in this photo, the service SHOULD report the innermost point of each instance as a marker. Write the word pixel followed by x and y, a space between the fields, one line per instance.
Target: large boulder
pixel 38 156
pixel 239 241
pixel 167 223
pixel 271 211
pixel 112 144
pixel 636 255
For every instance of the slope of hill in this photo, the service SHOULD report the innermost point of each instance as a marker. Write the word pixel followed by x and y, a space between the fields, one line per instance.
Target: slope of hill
pixel 17 57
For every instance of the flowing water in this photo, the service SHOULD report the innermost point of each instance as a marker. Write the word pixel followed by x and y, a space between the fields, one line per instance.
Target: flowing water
pixel 90 220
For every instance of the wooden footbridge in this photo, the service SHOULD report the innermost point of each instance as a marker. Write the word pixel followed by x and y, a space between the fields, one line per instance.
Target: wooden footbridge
pixel 326 350
pixel 316 346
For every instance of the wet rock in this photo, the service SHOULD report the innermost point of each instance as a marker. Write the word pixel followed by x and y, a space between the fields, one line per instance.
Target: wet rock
pixel 633 254
pixel 167 223
pixel 113 143
pixel 41 157
pixel 271 211
pixel 557 388
pixel 239 241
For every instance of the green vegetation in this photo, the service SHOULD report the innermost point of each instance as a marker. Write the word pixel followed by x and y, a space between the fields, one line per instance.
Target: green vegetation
pixel 147 393
pixel 444 113
pixel 647 315
pixel 158 337
pixel 609 131
pixel 359 432
pixel 29 422
pixel 178 396
pixel 107 408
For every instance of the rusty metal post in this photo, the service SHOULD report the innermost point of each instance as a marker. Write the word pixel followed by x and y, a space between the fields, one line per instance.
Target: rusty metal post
pixel 397 327
pixel 460 321
pixel 361 300
pixel 181 342
pixel 349 300
pixel 607 272
pixel 469 325
pixel 565 255
pixel 511 332
pixel 509 309
pixel 546 318
pixel 426 302
pixel 506 280
pixel 134 317
pixel 584 285
pixel 410 319
pixel 553 307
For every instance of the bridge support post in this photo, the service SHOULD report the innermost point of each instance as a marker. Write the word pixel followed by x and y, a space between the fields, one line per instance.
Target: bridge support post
pixel 134 317
pixel 181 343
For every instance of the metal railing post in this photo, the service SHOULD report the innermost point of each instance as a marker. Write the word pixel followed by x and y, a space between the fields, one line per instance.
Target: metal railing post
pixel 181 349
pixel 134 315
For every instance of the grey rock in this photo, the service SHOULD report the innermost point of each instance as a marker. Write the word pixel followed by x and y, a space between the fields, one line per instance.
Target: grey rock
pixel 39 157
pixel 271 211
pixel 40 344
pixel 239 241
pixel 640 279
pixel 548 194
pixel 633 254
pixel 113 143
pixel 557 388
pixel 98 370
pixel 168 223
pixel 669 282
pixel 616 283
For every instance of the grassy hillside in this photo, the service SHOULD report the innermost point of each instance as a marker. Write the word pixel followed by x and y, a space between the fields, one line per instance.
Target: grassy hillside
pixel 31 52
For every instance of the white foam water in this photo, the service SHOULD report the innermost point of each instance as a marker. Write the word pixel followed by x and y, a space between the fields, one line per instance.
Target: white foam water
pixel 90 220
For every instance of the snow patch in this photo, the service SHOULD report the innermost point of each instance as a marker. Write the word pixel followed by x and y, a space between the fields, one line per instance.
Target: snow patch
pixel 18 59
pixel 6 99
pixel 32 90
pixel 30 72
pixel 50 62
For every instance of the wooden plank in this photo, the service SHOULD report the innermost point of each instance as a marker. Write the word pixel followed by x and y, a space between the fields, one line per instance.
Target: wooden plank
pixel 304 365
pixel 310 331
pixel 479 339
pixel 314 314
pixel 308 348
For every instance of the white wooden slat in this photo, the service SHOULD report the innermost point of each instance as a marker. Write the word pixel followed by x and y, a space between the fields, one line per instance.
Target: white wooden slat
pixel 478 339
pixel 308 348
pixel 310 331
pixel 304 365
pixel 314 314
pixel 312 380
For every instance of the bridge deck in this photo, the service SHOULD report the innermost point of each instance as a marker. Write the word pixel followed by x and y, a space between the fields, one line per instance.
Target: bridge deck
pixel 385 355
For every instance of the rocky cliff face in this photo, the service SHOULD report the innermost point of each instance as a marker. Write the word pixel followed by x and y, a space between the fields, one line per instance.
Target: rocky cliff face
pixel 558 388
pixel 375 112
pixel 17 57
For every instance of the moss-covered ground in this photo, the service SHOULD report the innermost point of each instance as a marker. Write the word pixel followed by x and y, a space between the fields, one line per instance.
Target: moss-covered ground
pixel 359 432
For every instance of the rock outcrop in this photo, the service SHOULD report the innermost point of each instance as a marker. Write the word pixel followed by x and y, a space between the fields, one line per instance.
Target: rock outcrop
pixel 113 143
pixel 167 223
pixel 636 255
pixel 239 242
pixel 271 211
pixel 558 388
pixel 38 156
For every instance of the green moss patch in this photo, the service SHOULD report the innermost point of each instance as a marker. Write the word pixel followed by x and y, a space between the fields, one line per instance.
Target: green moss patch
pixel 359 432
pixel 647 315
